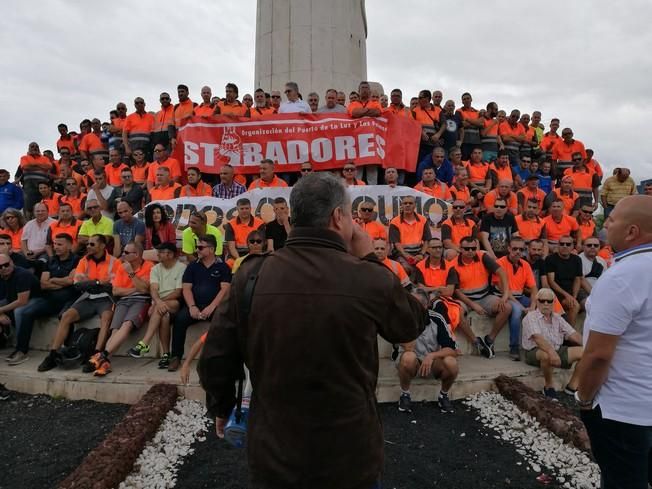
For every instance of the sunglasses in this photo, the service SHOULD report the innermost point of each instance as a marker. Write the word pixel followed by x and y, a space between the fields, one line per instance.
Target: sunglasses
pixel 70 184
pixel 577 159
pixel 276 96
pixel 5 265
pixel 164 98
pixel 546 301
pixel 306 170
pixel 459 206
pixel 500 207
pixel 139 103
pixel 469 248
pixel 366 209
pixel 586 212
pixel 255 241
pixel 592 245
pixel 201 247
pixel 565 244
pixel 91 245
pixel 128 252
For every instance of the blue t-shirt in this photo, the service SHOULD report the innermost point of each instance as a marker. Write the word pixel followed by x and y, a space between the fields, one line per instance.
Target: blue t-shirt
pixel 206 281
pixel 545 183
pixel 128 232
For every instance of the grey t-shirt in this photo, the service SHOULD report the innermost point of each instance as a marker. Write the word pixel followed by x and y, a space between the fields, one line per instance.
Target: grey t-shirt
pixel 128 231
pixel 338 109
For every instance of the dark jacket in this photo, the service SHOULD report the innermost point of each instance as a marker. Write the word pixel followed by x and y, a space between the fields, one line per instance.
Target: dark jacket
pixel 311 348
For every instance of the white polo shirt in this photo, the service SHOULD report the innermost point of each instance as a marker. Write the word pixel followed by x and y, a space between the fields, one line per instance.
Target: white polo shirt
pixel 621 304
pixel 294 107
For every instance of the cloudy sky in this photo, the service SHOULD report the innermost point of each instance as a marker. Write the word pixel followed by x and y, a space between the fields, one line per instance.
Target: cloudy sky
pixel 584 61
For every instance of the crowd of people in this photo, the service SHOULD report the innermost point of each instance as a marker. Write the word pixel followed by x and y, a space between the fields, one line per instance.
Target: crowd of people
pixel 519 243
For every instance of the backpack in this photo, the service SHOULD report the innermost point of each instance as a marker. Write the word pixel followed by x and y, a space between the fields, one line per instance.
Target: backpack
pixel 80 347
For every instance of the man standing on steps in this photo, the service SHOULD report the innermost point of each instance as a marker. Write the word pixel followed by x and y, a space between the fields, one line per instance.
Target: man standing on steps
pixel 614 392
pixel 318 365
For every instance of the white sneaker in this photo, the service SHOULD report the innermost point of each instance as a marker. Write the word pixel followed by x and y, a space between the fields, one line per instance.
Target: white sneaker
pixel 18 358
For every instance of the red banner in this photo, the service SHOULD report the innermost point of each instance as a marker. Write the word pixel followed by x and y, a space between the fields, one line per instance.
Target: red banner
pixel 328 141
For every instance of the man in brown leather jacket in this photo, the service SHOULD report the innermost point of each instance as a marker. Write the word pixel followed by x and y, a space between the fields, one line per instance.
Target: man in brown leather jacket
pixel 310 343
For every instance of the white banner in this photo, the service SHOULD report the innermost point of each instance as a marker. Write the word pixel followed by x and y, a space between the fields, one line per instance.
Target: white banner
pixel 385 199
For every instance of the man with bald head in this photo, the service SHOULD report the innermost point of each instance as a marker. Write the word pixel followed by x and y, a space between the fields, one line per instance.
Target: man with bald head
pixel 614 391
pixel 206 108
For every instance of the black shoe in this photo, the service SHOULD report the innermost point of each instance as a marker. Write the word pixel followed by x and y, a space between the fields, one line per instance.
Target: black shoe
pixel 164 362
pixel 445 404
pixel 490 346
pixel 550 393
pixel 483 348
pixel 48 362
pixel 405 403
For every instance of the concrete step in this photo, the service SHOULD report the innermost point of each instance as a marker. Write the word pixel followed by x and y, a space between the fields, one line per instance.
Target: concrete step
pixel 131 378
pixel 127 383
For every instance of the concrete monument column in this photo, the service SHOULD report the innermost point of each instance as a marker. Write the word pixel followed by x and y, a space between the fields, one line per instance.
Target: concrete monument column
pixel 319 44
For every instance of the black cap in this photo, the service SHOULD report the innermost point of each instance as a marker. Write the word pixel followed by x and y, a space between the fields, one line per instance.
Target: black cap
pixel 531 176
pixel 167 247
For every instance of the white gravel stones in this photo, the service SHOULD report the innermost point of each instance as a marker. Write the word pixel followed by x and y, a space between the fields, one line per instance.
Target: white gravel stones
pixel 541 449
pixel 157 466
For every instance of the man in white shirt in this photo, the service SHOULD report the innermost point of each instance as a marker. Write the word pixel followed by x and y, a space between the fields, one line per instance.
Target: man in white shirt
pixel 615 380
pixel 35 234
pixel 294 104
pixel 104 194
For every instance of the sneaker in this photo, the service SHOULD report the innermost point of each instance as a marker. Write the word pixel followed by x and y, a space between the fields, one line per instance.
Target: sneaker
pixel 18 358
pixel 550 393
pixel 483 348
pixel 48 362
pixel 515 353
pixel 405 403
pixel 92 363
pixel 10 356
pixel 445 404
pixel 490 346
pixel 164 362
pixel 139 350
pixel 569 390
pixel 175 363
pixel 104 368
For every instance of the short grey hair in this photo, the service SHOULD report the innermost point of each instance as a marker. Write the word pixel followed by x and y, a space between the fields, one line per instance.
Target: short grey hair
pixel 314 198
pixel 292 86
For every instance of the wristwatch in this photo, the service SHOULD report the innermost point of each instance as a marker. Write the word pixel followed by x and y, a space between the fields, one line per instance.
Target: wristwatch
pixel 580 402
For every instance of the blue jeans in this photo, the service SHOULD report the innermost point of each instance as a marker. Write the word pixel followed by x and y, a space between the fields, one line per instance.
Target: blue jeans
pixel 623 451
pixel 24 318
pixel 515 320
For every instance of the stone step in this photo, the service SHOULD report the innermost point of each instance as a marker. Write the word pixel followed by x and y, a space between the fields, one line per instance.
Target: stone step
pixel 131 378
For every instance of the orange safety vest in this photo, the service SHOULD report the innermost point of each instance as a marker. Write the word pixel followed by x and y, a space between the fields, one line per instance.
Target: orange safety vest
pixel 164 193
pixel 474 276
pixel 163 119
pixel 459 231
pixel 410 234
pixel 103 271
pixel 527 229
pixel 71 229
pixel 202 190
pixel 76 204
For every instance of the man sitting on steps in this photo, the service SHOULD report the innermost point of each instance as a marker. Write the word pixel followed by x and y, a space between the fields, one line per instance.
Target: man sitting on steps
pixel 165 288
pixel 433 353
pixel 93 277
pixel 131 288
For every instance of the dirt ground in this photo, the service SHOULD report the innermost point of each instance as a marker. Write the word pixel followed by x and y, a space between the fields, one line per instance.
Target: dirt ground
pixel 44 439
pixel 439 450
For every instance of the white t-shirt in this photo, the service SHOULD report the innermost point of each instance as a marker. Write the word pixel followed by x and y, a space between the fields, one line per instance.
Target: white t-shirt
pixel 621 304
pixel 294 107
pixel 106 193
pixel 587 266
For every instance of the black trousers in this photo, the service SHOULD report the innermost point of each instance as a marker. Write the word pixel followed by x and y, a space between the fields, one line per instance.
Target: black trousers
pixel 622 450
pixel 182 320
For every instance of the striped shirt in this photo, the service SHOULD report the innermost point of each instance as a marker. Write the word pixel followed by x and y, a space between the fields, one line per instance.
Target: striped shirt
pixel 221 191
pixel 614 190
